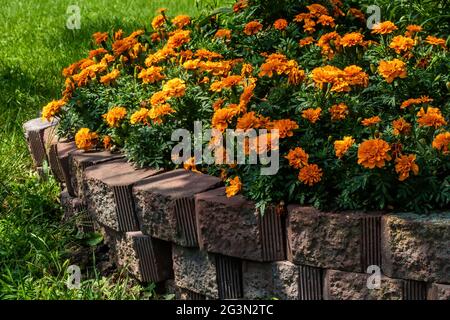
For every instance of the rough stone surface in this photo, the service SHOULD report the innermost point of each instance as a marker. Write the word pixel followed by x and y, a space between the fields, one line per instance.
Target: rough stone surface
pixel 233 227
pixel 323 239
pixel 79 160
pixel 439 292
pixel 270 280
pixel 157 209
pixel 195 270
pixel 417 247
pixel 340 285
pixel 36 132
pixel 103 200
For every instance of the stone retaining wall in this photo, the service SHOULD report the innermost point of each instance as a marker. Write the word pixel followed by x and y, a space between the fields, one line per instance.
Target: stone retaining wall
pixel 179 229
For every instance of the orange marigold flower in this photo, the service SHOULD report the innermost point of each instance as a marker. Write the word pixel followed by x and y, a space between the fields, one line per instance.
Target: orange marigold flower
pixel 280 24
pixel 223 34
pixel 158 56
pixel 246 95
pixel 312 115
pixel 253 27
pixel 371 121
pixel 352 39
pixel 157 112
pixel 221 118
pixel 339 111
pixel 317 10
pixel 284 127
pixel 392 69
pixel 158 22
pixel 246 70
pixel 412 29
pixel 175 88
pixel 114 116
pixel 159 97
pixel 249 120
pixel 412 101
pixel 442 142
pixel 297 158
pixel 373 153
pixel 240 5
pixel 97 52
pixel 401 44
pixel 218 104
pixel 404 165
pixel 107 142
pixel 436 41
pixel 100 37
pixel 181 21
pixel 206 54
pixel 341 147
pixel 190 165
pixel 118 34
pixel 234 187
pixel 85 139
pixel 110 77
pixel 358 14
pixel 432 118
pixel 329 43
pixel 151 75
pixel 326 20
pixel 178 38
pixel 306 41
pixel 401 126
pixel 140 116
pixel 52 109
pixel 310 174
pixel 385 27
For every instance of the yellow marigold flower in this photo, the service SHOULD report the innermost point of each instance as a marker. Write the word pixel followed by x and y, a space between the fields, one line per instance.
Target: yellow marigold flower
pixel 285 127
pixel 341 147
pixel 85 139
pixel 158 98
pixel 52 109
pixel 373 153
pixel 110 77
pixel 442 142
pixel 157 112
pixel 107 142
pixel 352 39
pixel 158 22
pixel 151 75
pixel 339 111
pixel 432 118
pixel 181 21
pixel 370 121
pixel 100 37
pixel 175 88
pixel 312 115
pixel 223 34
pixel 178 38
pixel 253 27
pixel 140 116
pixel 404 165
pixel 114 116
pixel 385 27
pixel 221 118
pixel 306 41
pixel 390 70
pixel 436 41
pixel 280 24
pixel 234 187
pixel 401 126
pixel 401 44
pixel 297 158
pixel 310 174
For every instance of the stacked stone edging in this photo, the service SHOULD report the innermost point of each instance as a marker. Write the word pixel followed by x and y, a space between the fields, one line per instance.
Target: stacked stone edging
pixel 179 228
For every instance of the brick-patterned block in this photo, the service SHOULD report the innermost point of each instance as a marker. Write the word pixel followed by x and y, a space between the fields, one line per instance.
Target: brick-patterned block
pixel 36 133
pixel 270 280
pixel 108 193
pixel 165 205
pixel 75 211
pixel 233 227
pixel 417 247
pixel 147 259
pixel 79 160
pixel 439 292
pixel 344 241
pixel 62 151
pixel 340 285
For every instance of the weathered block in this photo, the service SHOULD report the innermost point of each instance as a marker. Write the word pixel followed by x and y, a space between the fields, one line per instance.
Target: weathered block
pixel 417 247
pixel 439 292
pixel 185 294
pixel 108 193
pixel 79 160
pixel 52 156
pixel 75 210
pixel 195 270
pixel 63 150
pixel 233 227
pixel 165 205
pixel 270 280
pixel 36 132
pixel 344 241
pixel 340 285
pixel 147 259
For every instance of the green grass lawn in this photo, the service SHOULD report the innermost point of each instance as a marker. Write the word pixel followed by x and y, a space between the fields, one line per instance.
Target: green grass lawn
pixel 34 47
